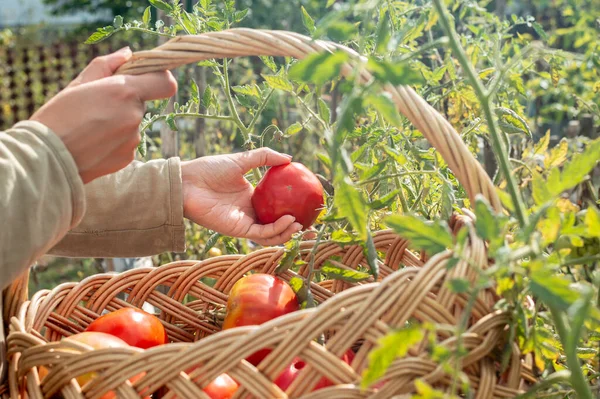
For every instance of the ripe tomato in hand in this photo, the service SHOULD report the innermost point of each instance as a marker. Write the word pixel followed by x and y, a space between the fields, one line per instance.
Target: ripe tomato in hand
pixel 222 387
pixel 134 326
pixel 288 376
pixel 99 340
pixel 256 299
pixel 289 189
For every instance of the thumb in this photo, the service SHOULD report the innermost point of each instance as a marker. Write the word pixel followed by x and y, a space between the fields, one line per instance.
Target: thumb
pixel 103 66
pixel 263 156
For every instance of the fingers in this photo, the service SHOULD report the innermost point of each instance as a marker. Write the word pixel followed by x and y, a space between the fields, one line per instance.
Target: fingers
pixel 274 233
pixel 263 156
pixel 102 67
pixel 153 86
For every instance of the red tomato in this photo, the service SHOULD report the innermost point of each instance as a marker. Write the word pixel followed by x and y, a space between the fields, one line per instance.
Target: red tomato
pixel 134 326
pixel 288 376
pixel 289 189
pixel 222 387
pixel 99 340
pixel 256 299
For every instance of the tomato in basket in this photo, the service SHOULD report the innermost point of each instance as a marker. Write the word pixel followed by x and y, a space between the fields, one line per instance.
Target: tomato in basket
pixel 290 189
pixel 100 340
pixel 222 387
pixel 134 326
pixel 256 299
pixel 288 376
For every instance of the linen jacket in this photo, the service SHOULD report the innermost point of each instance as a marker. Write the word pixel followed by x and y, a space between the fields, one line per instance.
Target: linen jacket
pixel 46 209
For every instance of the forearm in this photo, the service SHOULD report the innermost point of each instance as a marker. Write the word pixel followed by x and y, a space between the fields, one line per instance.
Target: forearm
pixel 137 211
pixel 41 196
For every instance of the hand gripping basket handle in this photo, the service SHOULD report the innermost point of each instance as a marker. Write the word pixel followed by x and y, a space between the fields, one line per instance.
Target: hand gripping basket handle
pixel 239 42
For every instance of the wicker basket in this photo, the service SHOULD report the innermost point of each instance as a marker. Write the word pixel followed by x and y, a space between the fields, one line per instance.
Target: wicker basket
pixel 348 315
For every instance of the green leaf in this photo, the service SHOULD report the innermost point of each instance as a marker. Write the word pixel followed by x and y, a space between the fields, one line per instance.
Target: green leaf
pixel 239 16
pixel 142 145
pixel 211 242
pixel 487 223
pixel 558 155
pixel 330 3
pixel 447 201
pixel 293 129
pixel 396 155
pixel 161 5
pixel 146 17
pixel 308 22
pixel 337 273
pixel 343 237
pixel 292 247
pixel 391 346
pixel 100 34
pixel 373 170
pixel 384 201
pixel 171 122
pixel 552 288
pixel 195 92
pixel 511 122
pixel 459 285
pixel 540 30
pixel 318 68
pixel 278 82
pixel 208 63
pixel 324 112
pixel 301 290
pixel 118 21
pixel 432 237
pixel 384 104
pixel 207 97
pixel 340 31
pixel 247 90
pixel 383 33
pixel 351 205
pixel 269 62
pixel 580 165
pixel 371 254
pixel 188 23
pixel 592 222
pixel 540 191
pixel 394 73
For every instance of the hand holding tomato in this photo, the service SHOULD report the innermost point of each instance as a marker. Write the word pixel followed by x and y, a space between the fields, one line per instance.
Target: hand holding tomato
pixel 218 197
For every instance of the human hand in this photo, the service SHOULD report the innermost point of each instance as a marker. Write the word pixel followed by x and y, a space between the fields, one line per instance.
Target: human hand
pixel 217 196
pixel 98 115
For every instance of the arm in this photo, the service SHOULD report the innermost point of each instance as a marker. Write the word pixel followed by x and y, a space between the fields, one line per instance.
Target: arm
pixel 137 211
pixel 41 196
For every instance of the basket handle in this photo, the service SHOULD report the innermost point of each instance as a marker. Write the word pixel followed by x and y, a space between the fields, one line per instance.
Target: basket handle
pixel 240 42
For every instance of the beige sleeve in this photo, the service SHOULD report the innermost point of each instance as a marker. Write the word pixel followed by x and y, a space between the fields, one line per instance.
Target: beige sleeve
pixel 137 211
pixel 41 196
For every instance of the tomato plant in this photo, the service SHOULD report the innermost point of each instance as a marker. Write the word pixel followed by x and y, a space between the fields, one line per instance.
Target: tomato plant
pixel 289 189
pixel 136 327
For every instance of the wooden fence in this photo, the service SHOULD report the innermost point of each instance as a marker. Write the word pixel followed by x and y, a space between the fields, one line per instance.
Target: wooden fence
pixel 31 75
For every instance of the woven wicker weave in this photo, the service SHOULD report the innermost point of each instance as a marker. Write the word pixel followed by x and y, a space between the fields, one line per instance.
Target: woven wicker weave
pixel 348 315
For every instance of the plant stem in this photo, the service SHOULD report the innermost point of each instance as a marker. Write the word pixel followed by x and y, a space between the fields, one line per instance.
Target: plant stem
pixel 260 110
pixel 580 261
pixel 187 115
pixel 578 380
pixel 484 99
pixel 554 378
